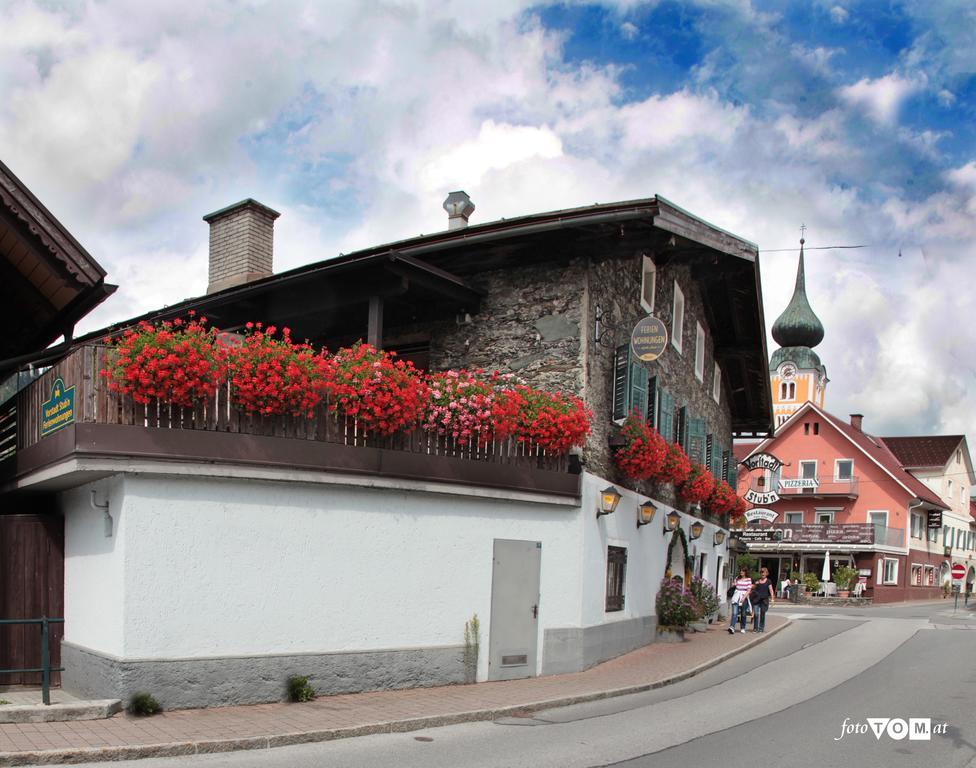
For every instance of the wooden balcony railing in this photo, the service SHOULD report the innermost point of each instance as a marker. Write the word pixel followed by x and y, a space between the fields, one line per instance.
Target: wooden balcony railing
pixel 95 403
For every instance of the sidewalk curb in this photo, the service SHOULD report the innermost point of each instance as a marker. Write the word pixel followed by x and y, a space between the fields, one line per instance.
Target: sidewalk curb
pixel 55 713
pixel 180 749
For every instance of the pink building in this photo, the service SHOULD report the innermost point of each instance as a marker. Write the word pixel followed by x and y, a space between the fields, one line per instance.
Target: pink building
pixel 842 495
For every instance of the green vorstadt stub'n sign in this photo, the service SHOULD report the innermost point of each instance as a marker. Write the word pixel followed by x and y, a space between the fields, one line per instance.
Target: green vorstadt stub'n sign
pixel 59 410
pixel 649 339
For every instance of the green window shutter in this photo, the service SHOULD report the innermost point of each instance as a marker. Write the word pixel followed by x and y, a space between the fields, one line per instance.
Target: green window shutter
pixel 696 440
pixel 621 370
pixel 652 402
pixel 638 387
pixel 728 468
pixel 709 452
pixel 665 416
pixel 681 431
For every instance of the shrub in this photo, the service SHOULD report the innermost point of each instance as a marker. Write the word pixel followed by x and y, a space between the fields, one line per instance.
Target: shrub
pixel 643 450
pixel 750 563
pixel 176 361
pixel 843 577
pixel 811 582
pixel 675 606
pixel 552 421
pixel 272 376
pixel 698 486
pixel 383 394
pixel 460 406
pixel 704 594
pixel 299 689
pixel 144 704
pixel 674 468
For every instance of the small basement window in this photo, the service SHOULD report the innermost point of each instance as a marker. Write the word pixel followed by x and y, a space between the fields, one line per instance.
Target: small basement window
pixel 616 574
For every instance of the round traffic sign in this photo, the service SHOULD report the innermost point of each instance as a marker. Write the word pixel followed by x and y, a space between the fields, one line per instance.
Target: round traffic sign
pixel 958 572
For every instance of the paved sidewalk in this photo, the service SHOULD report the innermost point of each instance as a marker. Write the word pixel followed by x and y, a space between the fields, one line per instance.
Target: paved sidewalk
pixel 185 732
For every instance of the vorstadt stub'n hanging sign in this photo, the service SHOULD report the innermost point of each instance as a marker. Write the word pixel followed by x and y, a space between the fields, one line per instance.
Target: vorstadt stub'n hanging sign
pixel 649 339
pixel 760 497
pixel 58 411
pixel 762 461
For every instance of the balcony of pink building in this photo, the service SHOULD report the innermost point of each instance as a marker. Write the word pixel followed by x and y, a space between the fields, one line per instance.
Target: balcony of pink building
pixel 815 488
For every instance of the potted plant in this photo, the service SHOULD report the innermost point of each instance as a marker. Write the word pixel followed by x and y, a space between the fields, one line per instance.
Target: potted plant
pixel 676 609
pixel 796 586
pixel 843 577
pixel 811 582
pixel 706 598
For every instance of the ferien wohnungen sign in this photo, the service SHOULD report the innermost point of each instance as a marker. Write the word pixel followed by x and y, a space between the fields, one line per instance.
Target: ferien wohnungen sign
pixel 58 411
pixel 649 339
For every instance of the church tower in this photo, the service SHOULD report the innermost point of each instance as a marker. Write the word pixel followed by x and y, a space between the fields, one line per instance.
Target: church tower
pixel 795 370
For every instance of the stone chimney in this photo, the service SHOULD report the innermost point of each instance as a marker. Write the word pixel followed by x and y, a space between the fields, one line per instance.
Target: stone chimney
pixel 241 244
pixel 856 419
pixel 459 207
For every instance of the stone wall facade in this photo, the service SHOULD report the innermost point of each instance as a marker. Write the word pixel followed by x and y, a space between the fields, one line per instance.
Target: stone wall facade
pixel 538 321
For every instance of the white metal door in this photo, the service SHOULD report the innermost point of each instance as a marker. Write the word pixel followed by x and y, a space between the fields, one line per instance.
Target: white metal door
pixel 514 632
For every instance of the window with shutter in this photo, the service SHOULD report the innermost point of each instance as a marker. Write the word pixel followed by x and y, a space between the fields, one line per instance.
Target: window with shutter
pixel 681 428
pixel 638 386
pixel 665 416
pixel 709 451
pixel 621 369
pixel 652 402
pixel 629 384
pixel 696 440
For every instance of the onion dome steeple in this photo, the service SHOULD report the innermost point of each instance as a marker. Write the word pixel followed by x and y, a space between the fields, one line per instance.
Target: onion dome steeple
pixel 798 326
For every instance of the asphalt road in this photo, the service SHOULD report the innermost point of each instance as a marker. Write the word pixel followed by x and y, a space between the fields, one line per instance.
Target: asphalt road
pixel 782 703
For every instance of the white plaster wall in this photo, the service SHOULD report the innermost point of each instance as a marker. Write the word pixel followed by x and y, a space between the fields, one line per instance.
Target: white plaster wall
pixel 94 566
pixel 219 567
pixel 647 550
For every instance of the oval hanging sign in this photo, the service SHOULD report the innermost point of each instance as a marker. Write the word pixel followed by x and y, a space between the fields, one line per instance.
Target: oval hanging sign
pixel 752 515
pixel 649 339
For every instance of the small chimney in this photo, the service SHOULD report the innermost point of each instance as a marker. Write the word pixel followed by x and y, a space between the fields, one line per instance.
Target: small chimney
pixel 856 419
pixel 459 207
pixel 241 244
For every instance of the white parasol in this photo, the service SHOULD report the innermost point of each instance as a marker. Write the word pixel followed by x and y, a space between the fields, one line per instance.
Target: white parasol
pixel 825 576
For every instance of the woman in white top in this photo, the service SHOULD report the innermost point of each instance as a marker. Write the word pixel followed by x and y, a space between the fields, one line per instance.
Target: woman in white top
pixel 740 601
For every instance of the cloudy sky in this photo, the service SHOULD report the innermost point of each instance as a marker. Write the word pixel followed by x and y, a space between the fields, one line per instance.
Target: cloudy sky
pixel 131 120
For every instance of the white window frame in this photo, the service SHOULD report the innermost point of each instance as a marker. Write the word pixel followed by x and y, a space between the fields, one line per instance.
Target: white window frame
pixel 677 318
pixel 717 383
pixel 928 576
pixel 894 578
pixel 921 525
pixel 921 573
pixel 837 476
pixel 821 512
pixel 788 515
pixel 648 273
pixel 699 352
pixel 877 512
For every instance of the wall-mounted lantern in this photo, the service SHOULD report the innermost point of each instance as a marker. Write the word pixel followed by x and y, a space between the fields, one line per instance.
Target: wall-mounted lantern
pixel 645 513
pixel 609 499
pixel 671 522
pixel 718 538
pixel 696 530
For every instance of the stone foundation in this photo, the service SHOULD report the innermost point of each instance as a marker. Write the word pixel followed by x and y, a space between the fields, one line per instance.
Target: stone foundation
pixel 225 681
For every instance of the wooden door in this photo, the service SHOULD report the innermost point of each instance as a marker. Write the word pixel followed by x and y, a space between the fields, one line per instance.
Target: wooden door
pixel 31 586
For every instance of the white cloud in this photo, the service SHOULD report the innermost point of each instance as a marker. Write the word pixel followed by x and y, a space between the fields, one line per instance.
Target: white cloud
pixel 882 97
pixel 839 14
pixel 629 31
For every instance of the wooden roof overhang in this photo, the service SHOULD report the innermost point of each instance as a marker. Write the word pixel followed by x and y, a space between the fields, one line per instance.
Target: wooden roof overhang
pixel 429 277
pixel 48 281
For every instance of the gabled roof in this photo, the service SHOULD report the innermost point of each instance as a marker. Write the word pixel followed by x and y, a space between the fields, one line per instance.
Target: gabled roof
pixel 923 451
pixel 972 508
pixel 872 447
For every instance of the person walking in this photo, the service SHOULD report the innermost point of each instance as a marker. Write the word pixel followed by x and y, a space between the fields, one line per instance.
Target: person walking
pixel 740 601
pixel 762 596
